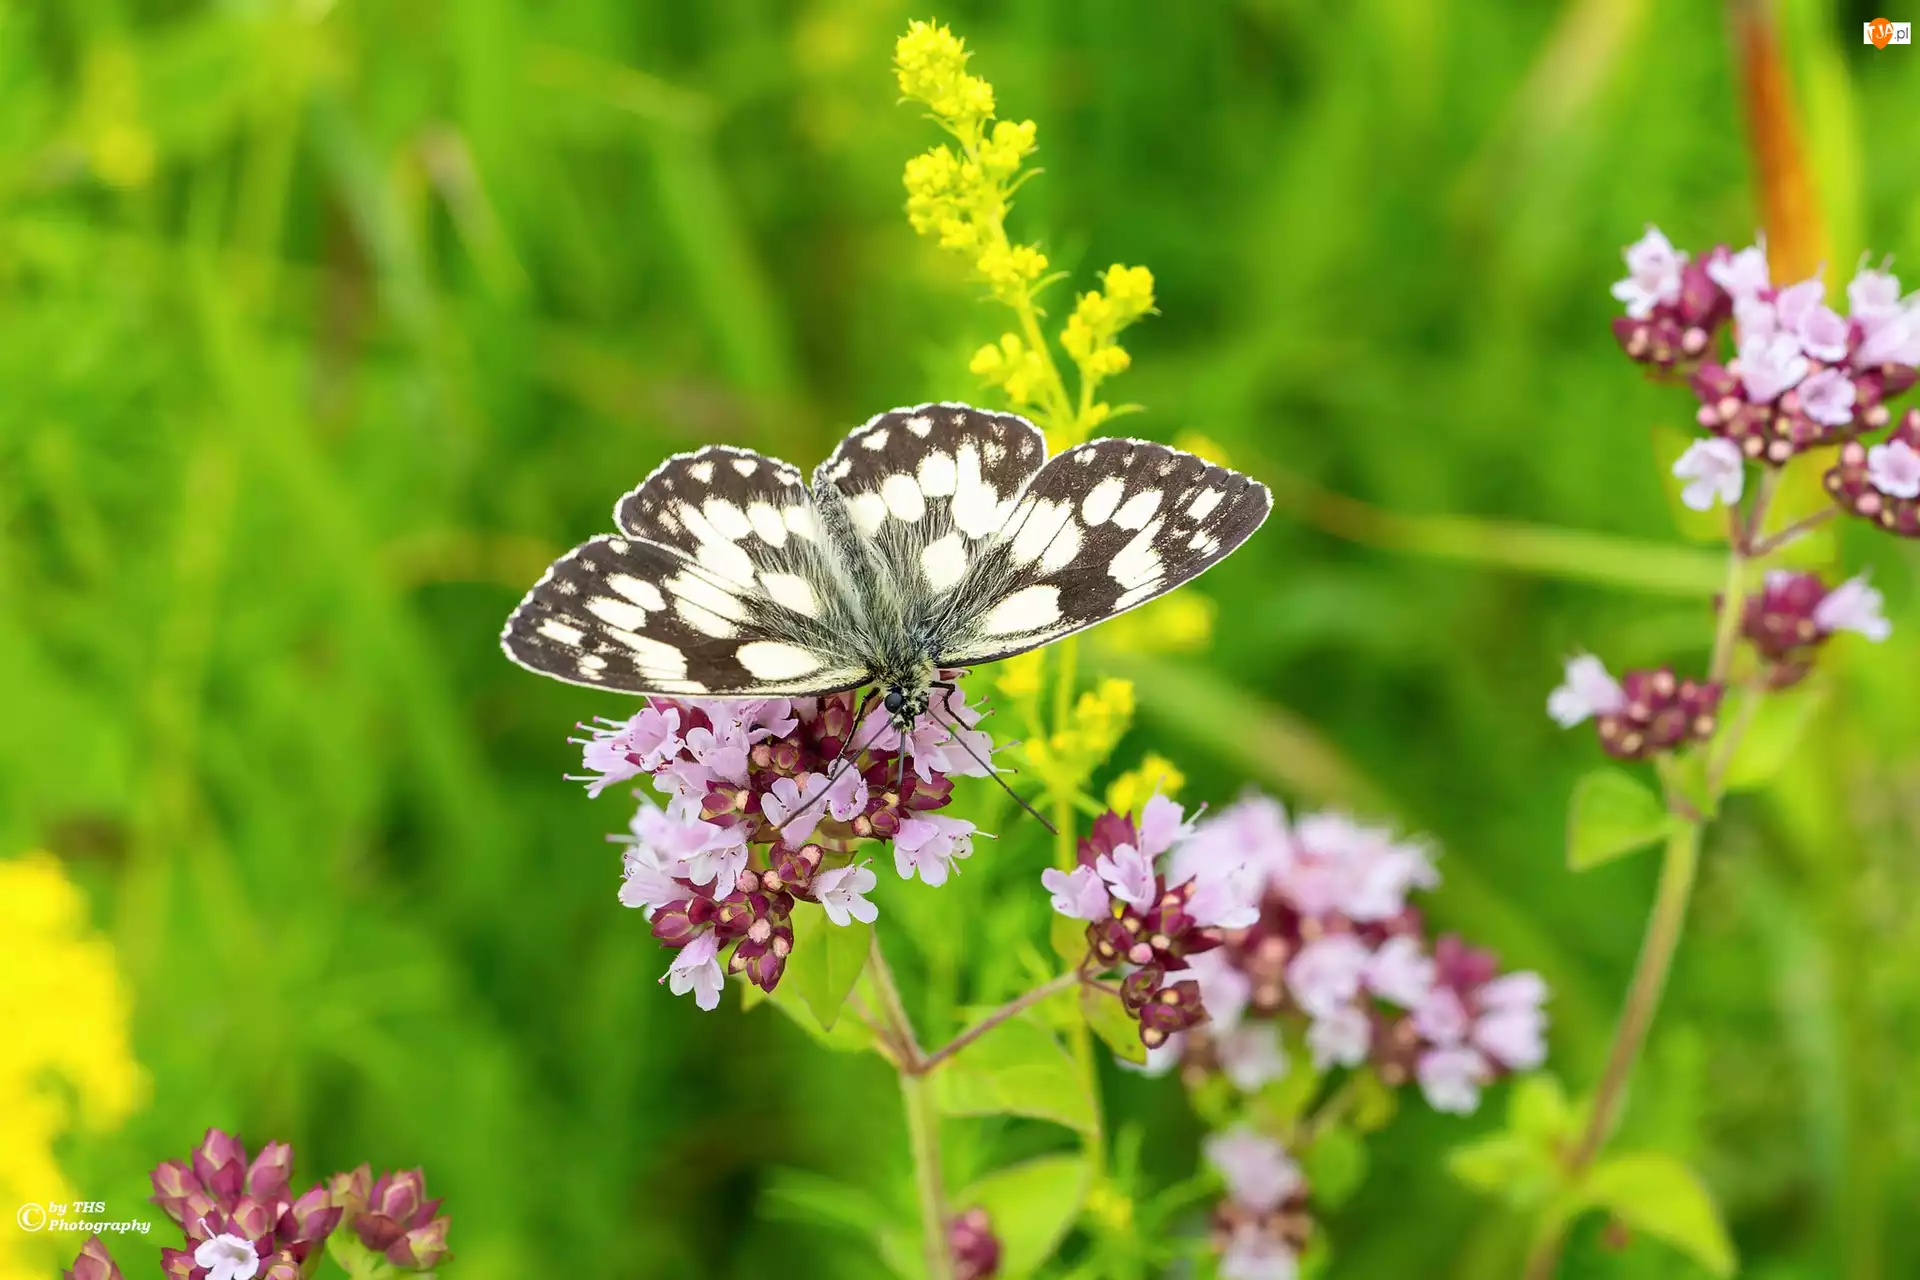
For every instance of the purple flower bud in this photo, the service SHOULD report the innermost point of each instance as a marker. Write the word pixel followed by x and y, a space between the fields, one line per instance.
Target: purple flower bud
pixel 348 1192
pixel 1174 1008
pixel 976 1250
pixel 94 1263
pixel 398 1195
pixel 268 1175
pixel 1877 483
pixel 311 1217
pixel 421 1248
pixel 1109 831
pixel 282 1266
pixel 220 1162
pixel 1662 712
pixel 176 1264
pixel 173 1185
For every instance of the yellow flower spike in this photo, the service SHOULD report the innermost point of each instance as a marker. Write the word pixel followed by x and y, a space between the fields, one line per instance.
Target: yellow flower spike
pixel 1130 290
pixel 66 1014
pixel 1202 447
pixel 1134 788
pixel 1019 676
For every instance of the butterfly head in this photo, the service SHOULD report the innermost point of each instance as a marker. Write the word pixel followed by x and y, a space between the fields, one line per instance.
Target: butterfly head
pixel 905 703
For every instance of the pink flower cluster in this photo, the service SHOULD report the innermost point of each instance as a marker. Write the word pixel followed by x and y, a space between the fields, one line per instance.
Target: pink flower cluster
pixel 1276 923
pixel 1801 374
pixel 244 1222
pixel 763 799
pixel 1262 1225
pixel 1645 713
pixel 1153 908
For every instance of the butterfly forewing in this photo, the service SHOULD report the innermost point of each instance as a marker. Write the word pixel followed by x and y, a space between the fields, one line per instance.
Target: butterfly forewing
pixel 1104 527
pixel 925 489
pixel 726 585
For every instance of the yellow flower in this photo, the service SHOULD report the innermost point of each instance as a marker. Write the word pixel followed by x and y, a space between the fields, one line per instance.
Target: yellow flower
pixel 931 63
pixel 64 1057
pixel 1019 676
pixel 1181 622
pixel 1202 447
pixel 1135 787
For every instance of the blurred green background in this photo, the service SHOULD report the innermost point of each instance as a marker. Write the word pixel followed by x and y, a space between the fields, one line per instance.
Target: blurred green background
pixel 323 325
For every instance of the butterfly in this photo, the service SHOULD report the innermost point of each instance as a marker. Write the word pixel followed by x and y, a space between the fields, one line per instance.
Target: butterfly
pixel 934 538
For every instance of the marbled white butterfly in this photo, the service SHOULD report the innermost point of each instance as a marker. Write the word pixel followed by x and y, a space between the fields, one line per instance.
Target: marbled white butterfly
pixel 935 537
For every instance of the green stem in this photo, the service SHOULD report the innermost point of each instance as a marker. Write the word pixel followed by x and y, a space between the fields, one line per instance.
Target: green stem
pixel 1678 868
pixel 923 1131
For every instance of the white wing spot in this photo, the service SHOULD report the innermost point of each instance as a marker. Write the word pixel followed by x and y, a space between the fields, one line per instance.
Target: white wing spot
pixel 793 591
pixel 638 590
pixel 559 632
pixel 920 425
pixel 653 658
pixel 694 588
pixel 705 620
pixel 727 561
pixel 1065 546
pixel 1137 562
pixel 701 471
pixel 776 659
pixel 903 497
pixel 618 613
pixel 875 441
pixel 566 588
pixel 589 664
pixel 1137 510
pixel 1038 530
pixel 944 561
pixel 869 511
pixel 976 504
pixel 1203 506
pixel 1028 609
pixel 1102 500
pixel 800 523
pixel 767 524
pixel 1203 542
pixel 745 466
pixel 1134 595
pixel 727 520
pixel 616 546
pixel 937 474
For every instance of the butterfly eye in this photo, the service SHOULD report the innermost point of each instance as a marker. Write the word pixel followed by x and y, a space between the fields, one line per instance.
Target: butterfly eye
pixel 894 700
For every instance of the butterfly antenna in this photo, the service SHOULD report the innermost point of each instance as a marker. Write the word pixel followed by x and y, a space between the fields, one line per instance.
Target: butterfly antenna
pixel 838 766
pixel 955 726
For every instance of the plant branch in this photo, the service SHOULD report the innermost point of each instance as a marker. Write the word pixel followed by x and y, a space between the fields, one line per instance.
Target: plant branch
pixel 1792 533
pixel 923 1117
pixel 1011 1009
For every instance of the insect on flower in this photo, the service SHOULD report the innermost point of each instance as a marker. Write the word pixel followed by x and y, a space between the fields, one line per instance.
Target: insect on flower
pixel 934 538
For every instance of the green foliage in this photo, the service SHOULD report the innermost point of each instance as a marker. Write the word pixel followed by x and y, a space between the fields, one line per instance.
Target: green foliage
pixel 1654 1193
pixel 1017 1069
pixel 324 326
pixel 1109 1020
pixel 1031 1204
pixel 1611 815
pixel 1776 727
pixel 827 960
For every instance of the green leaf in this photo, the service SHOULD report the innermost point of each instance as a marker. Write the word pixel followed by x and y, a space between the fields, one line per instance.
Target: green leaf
pixel 848 1035
pixel 1695 526
pixel 1335 1166
pixel 1611 815
pixel 1069 938
pixel 1017 1069
pixel 750 995
pixel 1113 1024
pixel 1374 1104
pixel 1775 729
pixel 1539 1109
pixel 1512 1167
pixel 1659 1196
pixel 827 960
pixel 1286 1099
pixel 1032 1205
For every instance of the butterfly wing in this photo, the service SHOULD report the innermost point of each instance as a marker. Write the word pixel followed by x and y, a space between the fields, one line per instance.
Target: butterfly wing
pixel 925 489
pixel 1103 528
pixel 723 584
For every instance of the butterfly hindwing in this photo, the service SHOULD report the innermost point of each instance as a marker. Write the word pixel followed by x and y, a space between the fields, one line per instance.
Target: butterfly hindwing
pixel 620 613
pixel 1104 527
pixel 926 488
